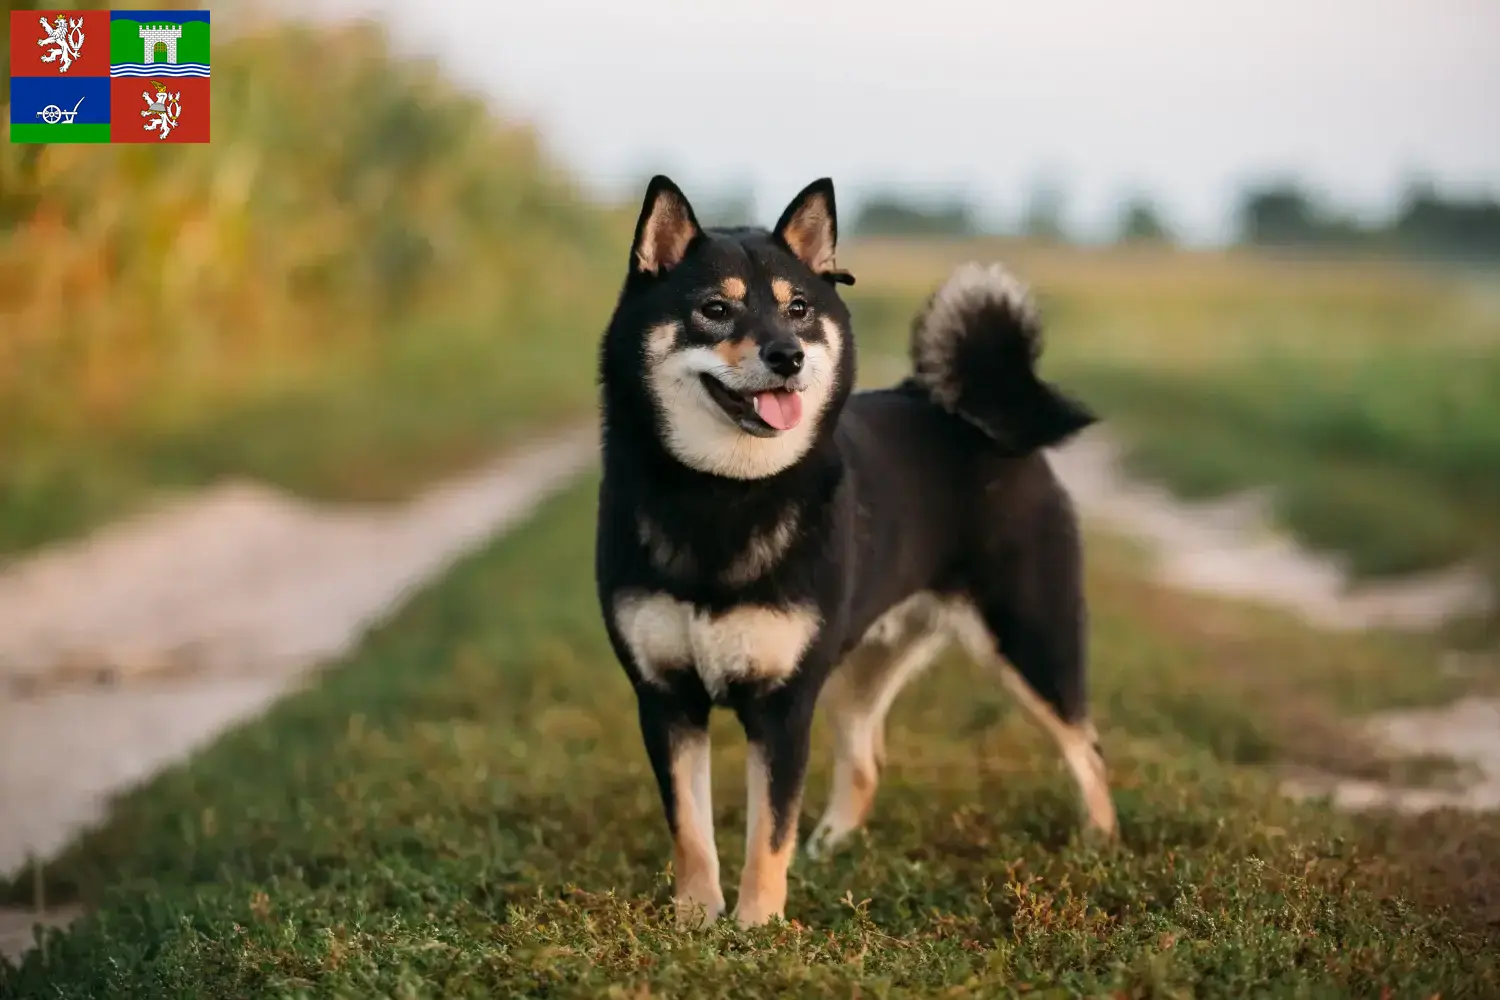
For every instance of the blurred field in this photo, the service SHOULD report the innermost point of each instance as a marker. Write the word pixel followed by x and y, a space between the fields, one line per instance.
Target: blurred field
pixel 1366 393
pixel 463 809
pixel 366 279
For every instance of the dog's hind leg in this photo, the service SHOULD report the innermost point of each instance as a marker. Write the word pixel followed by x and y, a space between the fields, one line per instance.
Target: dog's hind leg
pixel 1033 615
pixel 857 698
pixel 676 737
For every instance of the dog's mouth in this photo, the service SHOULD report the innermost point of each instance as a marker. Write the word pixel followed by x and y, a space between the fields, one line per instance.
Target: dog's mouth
pixel 764 413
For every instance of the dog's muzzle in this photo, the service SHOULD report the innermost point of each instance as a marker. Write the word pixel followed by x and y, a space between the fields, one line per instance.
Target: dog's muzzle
pixel 763 412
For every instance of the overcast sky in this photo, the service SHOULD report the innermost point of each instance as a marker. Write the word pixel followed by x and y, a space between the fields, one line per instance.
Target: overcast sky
pixel 1183 99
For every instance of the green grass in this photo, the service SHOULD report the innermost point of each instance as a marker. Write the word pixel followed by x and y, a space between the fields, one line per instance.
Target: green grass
pixel 463 809
pixel 1393 459
pixel 439 402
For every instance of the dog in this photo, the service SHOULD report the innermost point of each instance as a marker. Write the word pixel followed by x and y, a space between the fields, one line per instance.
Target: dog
pixel 766 537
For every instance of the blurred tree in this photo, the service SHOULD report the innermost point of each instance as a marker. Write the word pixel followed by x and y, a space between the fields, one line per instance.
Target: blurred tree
pixel 348 198
pixel 1427 224
pixel 1141 222
pixel 1045 211
pixel 1280 214
pixel 892 215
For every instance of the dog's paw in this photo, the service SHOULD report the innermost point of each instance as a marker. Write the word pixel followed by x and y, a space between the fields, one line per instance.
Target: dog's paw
pixel 693 914
pixel 751 915
pixel 824 840
pixel 1099 836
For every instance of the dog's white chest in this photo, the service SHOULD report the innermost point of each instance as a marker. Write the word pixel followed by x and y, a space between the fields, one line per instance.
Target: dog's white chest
pixel 751 642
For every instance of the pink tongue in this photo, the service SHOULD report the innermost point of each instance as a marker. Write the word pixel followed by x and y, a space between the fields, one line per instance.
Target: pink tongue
pixel 779 408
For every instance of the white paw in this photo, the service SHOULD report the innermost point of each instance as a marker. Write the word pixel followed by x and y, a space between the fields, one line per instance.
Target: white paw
pixel 825 839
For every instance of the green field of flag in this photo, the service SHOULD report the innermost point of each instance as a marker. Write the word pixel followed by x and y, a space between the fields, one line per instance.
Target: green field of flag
pixel 60 132
pixel 125 44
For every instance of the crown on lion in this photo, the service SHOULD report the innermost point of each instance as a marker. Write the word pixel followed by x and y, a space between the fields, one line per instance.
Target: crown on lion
pixel 161 88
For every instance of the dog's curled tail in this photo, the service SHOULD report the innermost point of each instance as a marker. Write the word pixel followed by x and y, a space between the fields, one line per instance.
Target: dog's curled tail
pixel 974 349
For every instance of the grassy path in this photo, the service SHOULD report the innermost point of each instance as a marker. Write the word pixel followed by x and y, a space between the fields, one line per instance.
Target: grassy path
pixel 463 809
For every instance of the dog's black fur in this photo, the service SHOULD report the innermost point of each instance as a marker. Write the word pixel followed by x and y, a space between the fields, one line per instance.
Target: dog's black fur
pixel 936 485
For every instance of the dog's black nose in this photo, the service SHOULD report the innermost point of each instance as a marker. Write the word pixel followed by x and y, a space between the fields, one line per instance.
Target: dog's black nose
pixel 784 357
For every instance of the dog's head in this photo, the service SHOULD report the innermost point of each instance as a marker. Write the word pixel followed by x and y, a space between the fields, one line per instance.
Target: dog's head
pixel 733 343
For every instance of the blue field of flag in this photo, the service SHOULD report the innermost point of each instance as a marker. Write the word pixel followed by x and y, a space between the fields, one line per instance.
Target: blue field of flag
pixel 82 100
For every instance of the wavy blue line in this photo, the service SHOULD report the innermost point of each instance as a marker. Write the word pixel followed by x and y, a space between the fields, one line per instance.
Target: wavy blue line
pixel 120 74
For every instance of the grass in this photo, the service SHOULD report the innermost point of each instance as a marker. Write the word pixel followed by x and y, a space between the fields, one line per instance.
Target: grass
pixel 367 279
pixel 463 809
pixel 1367 395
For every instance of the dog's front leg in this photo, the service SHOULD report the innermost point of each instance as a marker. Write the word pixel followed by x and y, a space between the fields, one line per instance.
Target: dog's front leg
pixel 676 736
pixel 778 727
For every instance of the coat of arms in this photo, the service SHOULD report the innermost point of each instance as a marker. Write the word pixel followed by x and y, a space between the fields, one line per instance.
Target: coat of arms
pixel 66 39
pixel 166 107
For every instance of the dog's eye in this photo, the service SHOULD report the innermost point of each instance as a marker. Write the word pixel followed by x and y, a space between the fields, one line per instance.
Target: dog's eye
pixel 797 308
pixel 714 309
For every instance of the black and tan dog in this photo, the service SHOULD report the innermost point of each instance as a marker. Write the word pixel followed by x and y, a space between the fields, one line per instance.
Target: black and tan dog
pixel 762 531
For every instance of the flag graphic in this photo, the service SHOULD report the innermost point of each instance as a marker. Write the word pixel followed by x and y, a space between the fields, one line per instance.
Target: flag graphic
pixel 158 44
pixel 59 43
pixel 109 76
pixel 60 109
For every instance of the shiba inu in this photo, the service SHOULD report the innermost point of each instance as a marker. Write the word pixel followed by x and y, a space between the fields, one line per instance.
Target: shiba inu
pixel 766 537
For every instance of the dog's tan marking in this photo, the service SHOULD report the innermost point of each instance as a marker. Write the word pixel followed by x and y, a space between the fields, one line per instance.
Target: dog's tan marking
pixel 666 234
pixel 734 352
pixel 732 288
pixel 1079 745
pixel 695 858
pixel 660 338
pixel 664 555
pixel 746 643
pixel 751 643
pixel 809 234
pixel 782 290
pixel 763 882
pixel 763 551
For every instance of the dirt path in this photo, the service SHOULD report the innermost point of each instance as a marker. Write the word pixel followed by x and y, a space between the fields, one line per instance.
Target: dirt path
pixel 1229 548
pixel 122 653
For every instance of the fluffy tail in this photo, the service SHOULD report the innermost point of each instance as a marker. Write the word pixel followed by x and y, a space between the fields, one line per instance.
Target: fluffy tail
pixel 974 348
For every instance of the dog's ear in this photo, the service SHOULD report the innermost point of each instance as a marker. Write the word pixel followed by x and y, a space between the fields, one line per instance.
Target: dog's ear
pixel 809 228
pixel 665 230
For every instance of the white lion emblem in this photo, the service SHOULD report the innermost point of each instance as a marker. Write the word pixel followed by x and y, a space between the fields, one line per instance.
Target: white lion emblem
pixel 66 37
pixel 166 107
